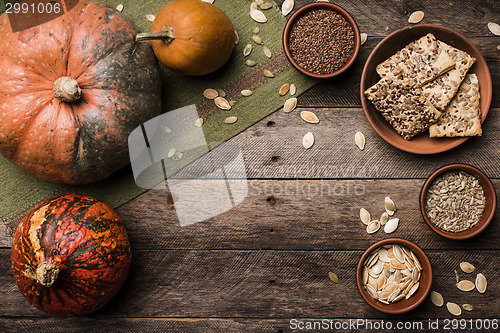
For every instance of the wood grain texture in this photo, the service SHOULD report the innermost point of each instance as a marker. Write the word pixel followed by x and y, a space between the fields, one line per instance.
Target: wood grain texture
pixel 265 284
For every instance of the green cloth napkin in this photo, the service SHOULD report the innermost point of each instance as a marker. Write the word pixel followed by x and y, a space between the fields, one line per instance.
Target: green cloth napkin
pixel 20 192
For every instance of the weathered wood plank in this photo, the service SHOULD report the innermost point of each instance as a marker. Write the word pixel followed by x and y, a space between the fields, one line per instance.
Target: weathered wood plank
pixel 264 284
pixel 292 215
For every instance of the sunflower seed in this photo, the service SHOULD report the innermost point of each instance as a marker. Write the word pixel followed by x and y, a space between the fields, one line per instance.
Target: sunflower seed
pixel 373 227
pixel 256 30
pixel 119 7
pixel 481 283
pixel 231 120
pixel 360 140
pixel 308 140
pixel 468 307
pixel 222 103
pixel 309 117
pixel 384 218
pixel 391 225
pixel 437 298
pixel 150 17
pixel 467 267
pixel 454 309
pixel 250 63
pixel 210 93
pixel 363 37
pixel 293 89
pixel 465 285
pixel 247 50
pixel 416 17
pixel 236 37
pixel 198 122
pixel 268 73
pixel 246 92
pixel 290 104
pixel 389 206
pixel 287 7
pixel 258 16
pixel 494 28
pixel 333 277
pixel 284 89
pixel 178 156
pixel 266 5
pixel 365 217
pixel 171 152
pixel 267 52
pixel 257 39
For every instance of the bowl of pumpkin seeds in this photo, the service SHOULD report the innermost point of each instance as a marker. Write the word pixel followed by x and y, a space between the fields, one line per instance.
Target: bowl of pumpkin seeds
pixel 394 275
pixel 458 201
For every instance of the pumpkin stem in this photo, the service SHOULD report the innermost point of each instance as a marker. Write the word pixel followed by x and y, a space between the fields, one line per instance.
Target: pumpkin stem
pixel 46 274
pixel 66 89
pixel 165 34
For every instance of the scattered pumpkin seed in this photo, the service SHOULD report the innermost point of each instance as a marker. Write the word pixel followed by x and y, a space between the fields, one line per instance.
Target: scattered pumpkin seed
pixel 308 140
pixel 363 37
pixel 360 140
pixel 232 102
pixel 284 89
pixel 293 89
pixel 373 227
pixel 465 285
pixel 467 267
pixel 258 16
pixel 268 73
pixel 231 120
pixel 390 207
pixel 333 277
pixel 384 218
pixel 209 1
pixel 494 28
pixel 416 17
pixel 481 283
pixel 166 129
pixel 119 8
pixel 222 103
pixel 391 225
pixel 454 309
pixel 254 6
pixel 287 7
pixel 198 122
pixel 259 2
pixel 256 30
pixel 468 307
pixel 364 216
pixel 290 104
pixel 210 93
pixel 267 52
pixel 309 117
pixel 247 50
pixel 266 6
pixel 250 63
pixel 456 276
pixel 150 17
pixel 171 152
pixel 221 92
pixel 246 92
pixel 498 47
pixel 257 39
pixel 437 298
pixel 178 156
pixel 236 37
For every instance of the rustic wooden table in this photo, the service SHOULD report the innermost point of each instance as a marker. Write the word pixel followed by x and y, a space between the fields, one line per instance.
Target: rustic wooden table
pixel 265 262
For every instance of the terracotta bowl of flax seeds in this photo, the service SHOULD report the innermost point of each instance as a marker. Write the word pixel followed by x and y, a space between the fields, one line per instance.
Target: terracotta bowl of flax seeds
pixel 458 201
pixel 321 40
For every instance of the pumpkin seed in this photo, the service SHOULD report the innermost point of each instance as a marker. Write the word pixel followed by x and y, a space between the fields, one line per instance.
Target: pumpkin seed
pixel 373 227
pixel 363 37
pixel 267 52
pixel 232 102
pixel 259 2
pixel 309 117
pixel 360 140
pixel 250 63
pixel 494 28
pixel 391 225
pixel 468 307
pixel 178 156
pixel 119 8
pixel 236 37
pixel 454 309
pixel 256 30
pixel 247 50
pixel 467 267
pixel 246 92
pixel 287 7
pixel 456 276
pixel 210 93
pixel 465 285
pixel 293 89
pixel 437 298
pixel 171 152
pixel 266 5
pixel 254 5
pixel 222 103
pixel 258 16
pixel 308 140
pixel 416 17
pixel 209 1
pixel 364 215
pixel 166 129
pixel 257 39
pixel 333 277
pixel 150 17
pixel 284 89
pixel 389 206
pixel 290 104
pixel 221 92
pixel 481 283
pixel 384 218
pixel 268 73
pixel 198 122
pixel 231 120
pixel 412 290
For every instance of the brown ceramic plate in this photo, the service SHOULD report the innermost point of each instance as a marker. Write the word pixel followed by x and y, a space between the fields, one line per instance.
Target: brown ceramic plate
pixel 489 209
pixel 422 143
pixel 403 305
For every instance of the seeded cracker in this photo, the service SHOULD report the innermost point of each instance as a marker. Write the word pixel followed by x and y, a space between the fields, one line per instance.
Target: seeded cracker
pixel 420 61
pixel 463 115
pixel 441 91
pixel 404 107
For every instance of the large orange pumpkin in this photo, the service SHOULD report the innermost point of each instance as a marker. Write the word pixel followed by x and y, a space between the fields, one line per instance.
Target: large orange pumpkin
pixel 72 90
pixel 191 37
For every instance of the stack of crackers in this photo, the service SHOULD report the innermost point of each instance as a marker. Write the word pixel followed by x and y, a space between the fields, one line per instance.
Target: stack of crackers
pixel 426 86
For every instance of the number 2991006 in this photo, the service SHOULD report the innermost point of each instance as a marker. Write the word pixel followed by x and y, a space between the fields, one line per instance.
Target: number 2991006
pixel 33 8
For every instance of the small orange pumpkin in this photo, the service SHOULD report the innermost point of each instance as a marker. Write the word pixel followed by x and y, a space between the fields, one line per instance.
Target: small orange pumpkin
pixel 191 37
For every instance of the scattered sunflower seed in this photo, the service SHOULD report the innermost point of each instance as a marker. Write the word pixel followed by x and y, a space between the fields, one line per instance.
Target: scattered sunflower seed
pixel 267 52
pixel 284 89
pixel 391 225
pixel 287 7
pixel 256 30
pixel 290 104
pixel 364 215
pixel 246 92
pixel 257 39
pixel 258 16
pixel 171 152
pixel 266 6
pixel 293 89
pixel 465 285
pixel 210 93
pixel 250 63
pixel 384 218
pixel 308 140
pixel 437 298
pixel 236 37
pixel 178 156
pixel 481 283
pixel 268 73
pixel 363 38
pixel 247 50
pixel 416 17
pixel 309 117
pixel 150 17
pixel 494 28
pixel 198 122
pixel 333 277
pixel 468 307
pixel 119 8
pixel 222 103
pixel 467 267
pixel 360 140
pixel 454 309
pixel 221 92
pixel 231 120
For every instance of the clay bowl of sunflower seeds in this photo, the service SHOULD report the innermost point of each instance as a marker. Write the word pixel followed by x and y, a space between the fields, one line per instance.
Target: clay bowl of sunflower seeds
pixel 321 40
pixel 458 201
pixel 394 276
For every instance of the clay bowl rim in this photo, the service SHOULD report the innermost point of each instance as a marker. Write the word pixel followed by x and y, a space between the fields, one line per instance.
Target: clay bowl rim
pixel 490 194
pixel 321 5
pixel 420 144
pixel 404 305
